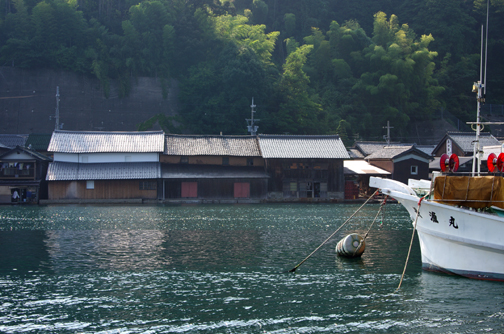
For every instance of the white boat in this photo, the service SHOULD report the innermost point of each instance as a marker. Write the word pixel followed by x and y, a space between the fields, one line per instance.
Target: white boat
pixel 459 219
pixel 453 239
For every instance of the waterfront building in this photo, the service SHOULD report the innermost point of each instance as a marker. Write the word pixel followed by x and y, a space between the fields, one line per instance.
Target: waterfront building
pixel 22 176
pixel 93 165
pixel 213 168
pixel 304 167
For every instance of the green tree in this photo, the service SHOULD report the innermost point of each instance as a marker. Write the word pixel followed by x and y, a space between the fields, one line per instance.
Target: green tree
pixel 299 110
pixel 399 83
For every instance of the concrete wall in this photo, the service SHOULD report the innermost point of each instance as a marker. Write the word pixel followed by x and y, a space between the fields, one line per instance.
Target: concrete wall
pixel 28 102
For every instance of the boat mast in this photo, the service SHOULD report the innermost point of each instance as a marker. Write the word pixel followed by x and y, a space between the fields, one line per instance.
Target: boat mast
pixel 480 88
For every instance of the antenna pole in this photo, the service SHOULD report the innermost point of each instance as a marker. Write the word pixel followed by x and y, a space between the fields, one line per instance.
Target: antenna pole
pixel 388 127
pixel 250 121
pixel 56 127
pixel 486 48
pixel 480 88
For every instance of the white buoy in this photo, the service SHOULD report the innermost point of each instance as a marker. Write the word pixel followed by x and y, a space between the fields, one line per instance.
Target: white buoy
pixel 353 245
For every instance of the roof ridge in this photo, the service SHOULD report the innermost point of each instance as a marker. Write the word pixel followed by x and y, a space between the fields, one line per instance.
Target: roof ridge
pixel 210 136
pixel 110 132
pixel 297 136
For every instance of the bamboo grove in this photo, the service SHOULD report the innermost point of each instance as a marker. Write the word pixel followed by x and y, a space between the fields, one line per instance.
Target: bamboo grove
pixel 312 66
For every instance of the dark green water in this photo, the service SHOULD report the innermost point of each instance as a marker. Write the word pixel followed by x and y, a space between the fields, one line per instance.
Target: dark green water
pixel 222 269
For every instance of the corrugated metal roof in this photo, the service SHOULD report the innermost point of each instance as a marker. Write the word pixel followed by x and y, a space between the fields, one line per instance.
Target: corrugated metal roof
pixel 315 147
pixel 62 171
pixel 361 167
pixel 106 142
pixel 241 146
pixel 212 172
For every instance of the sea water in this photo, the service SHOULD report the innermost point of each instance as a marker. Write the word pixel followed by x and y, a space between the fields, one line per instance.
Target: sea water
pixel 224 269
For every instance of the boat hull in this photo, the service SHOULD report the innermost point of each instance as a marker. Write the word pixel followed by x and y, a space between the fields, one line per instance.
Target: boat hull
pixel 456 240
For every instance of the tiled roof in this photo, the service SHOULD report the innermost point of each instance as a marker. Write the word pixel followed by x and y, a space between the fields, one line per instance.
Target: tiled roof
pixel 316 147
pixel 62 171
pixel 12 141
pixel 388 152
pixel 355 154
pixel 426 148
pixel 33 153
pixel 465 140
pixel 395 151
pixel 38 141
pixel 369 147
pixel 106 142
pixel 241 146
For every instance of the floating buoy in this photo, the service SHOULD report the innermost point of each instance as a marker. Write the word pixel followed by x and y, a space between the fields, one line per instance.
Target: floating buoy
pixel 353 245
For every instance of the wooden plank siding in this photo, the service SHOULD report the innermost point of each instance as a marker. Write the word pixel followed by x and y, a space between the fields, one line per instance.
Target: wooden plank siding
pixel 103 189
pixel 217 188
pixel 331 173
pixel 327 172
pixel 402 170
pixel 212 160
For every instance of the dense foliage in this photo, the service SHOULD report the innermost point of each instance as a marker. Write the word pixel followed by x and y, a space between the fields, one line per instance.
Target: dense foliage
pixel 312 66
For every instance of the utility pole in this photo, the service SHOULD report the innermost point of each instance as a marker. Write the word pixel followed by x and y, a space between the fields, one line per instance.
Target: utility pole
pixel 250 121
pixel 387 137
pixel 56 127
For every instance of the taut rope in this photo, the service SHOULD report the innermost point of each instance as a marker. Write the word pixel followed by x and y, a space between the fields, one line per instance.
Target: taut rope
pixel 326 240
pixel 411 242
pixel 376 217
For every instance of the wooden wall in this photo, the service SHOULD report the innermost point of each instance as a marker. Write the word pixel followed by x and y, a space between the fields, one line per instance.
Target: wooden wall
pixel 455 149
pixel 217 188
pixel 387 165
pixel 103 189
pixel 402 170
pixel 331 173
pixel 211 160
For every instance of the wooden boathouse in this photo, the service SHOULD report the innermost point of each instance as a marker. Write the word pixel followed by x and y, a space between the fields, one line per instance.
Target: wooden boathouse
pixel 213 168
pixel 304 167
pixel 92 165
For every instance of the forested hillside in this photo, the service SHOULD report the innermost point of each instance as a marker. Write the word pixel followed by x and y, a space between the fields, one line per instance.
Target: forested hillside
pixel 312 66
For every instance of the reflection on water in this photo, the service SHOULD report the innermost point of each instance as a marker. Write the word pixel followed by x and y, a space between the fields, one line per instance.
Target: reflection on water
pixel 222 269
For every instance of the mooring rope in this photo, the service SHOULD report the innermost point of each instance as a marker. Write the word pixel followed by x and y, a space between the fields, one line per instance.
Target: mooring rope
pixel 376 217
pixel 339 228
pixel 411 242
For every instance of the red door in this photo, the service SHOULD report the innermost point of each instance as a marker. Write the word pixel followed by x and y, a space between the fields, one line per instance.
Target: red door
pixel 189 189
pixel 242 190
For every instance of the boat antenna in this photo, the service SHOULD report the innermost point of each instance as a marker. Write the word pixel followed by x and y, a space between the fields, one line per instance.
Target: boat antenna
pixel 480 88
pixel 486 48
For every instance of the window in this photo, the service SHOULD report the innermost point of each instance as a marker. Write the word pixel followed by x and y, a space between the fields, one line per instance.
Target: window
pixel 414 170
pixel 148 185
pixel 89 184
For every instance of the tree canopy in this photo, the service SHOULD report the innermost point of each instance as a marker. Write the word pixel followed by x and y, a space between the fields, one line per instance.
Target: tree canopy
pixel 312 67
